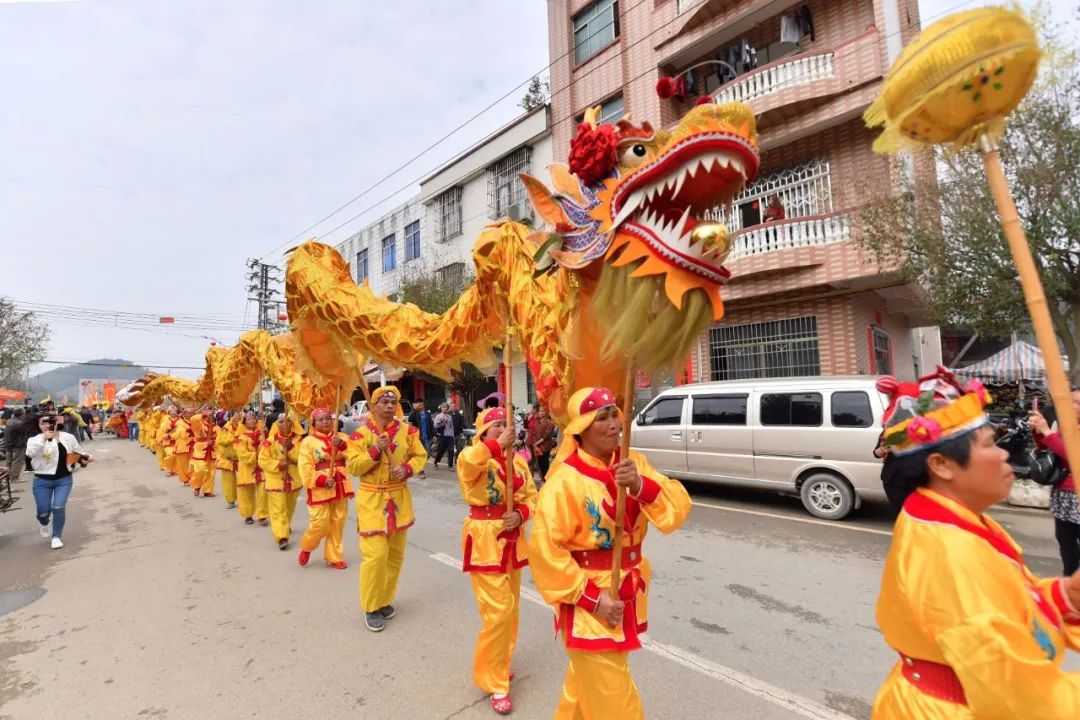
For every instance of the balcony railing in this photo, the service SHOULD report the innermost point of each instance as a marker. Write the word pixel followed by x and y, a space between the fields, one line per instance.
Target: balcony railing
pixel 792 233
pixel 774 77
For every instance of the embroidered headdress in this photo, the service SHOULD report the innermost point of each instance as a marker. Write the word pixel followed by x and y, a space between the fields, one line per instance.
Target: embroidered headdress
pixel 937 409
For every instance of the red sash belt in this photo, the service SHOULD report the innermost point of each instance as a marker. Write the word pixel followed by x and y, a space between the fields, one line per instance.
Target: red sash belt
pixel 601 559
pixel 487 512
pixel 339 461
pixel 934 679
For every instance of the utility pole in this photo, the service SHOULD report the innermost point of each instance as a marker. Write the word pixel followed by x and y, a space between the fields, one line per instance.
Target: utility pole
pixel 263 280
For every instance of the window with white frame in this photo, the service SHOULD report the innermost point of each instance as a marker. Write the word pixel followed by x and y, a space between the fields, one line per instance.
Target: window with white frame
pixel 412 241
pixel 595 27
pixel 505 190
pixel 361 267
pixel 779 348
pixel 802 190
pixel 448 214
pixel 882 349
pixel 389 253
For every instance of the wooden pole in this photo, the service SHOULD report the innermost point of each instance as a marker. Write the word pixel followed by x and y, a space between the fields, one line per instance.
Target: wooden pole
pixel 334 412
pixel 1036 302
pixel 620 499
pixel 508 458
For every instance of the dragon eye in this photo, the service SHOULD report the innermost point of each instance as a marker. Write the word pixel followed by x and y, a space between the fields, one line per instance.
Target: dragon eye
pixel 634 155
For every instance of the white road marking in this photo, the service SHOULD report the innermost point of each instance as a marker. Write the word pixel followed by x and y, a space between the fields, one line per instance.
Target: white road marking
pixel 809 521
pixel 770 693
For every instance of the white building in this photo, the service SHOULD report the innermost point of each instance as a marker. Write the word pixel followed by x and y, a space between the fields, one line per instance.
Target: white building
pixel 437 229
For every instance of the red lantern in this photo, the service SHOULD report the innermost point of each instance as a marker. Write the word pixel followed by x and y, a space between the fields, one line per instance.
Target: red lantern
pixel 166 320
pixel 213 344
pixel 282 317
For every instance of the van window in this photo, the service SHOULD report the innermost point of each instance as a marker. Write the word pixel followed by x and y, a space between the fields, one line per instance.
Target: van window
pixel 666 411
pixel 719 410
pixel 801 409
pixel 851 409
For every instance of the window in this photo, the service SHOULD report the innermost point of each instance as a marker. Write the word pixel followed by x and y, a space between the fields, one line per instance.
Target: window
pixel 452 275
pixel 412 241
pixel 666 411
pixel 780 348
pixel 505 190
pixel 611 111
pixel 448 209
pixel 881 352
pixel 851 409
pixel 798 409
pixel 720 410
pixel 361 267
pixel 389 253
pixel 595 28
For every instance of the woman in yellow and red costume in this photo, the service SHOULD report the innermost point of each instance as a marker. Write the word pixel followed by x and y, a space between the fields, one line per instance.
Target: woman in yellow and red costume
pixel 165 440
pixel 977 633
pixel 225 457
pixel 494 548
pixel 202 454
pixel 182 443
pixel 281 475
pixel 570 554
pixel 383 454
pixel 321 463
pixel 248 473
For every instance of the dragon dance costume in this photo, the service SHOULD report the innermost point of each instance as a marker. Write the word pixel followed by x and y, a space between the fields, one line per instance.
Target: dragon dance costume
pixel 248 474
pixel 492 556
pixel 978 634
pixel 384 509
pixel 281 477
pixel 225 457
pixel 202 455
pixel 165 443
pixel 181 444
pixel 570 554
pixel 328 507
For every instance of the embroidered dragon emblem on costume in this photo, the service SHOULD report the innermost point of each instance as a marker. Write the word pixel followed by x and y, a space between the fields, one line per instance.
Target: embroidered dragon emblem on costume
pixel 602 534
pixel 494 496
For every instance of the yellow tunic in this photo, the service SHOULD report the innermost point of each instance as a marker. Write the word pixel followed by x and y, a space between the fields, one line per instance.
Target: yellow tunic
pixel 384 506
pixel 575 512
pixel 482 477
pixel 273 453
pixel 246 446
pixel 224 453
pixel 313 468
pixel 164 436
pixel 956 592
pixel 181 437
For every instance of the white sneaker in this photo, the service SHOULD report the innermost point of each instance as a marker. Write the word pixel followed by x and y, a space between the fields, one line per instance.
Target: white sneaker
pixel 57 543
pixel 46 531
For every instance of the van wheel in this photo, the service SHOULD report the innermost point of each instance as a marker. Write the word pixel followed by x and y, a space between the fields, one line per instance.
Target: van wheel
pixel 827 496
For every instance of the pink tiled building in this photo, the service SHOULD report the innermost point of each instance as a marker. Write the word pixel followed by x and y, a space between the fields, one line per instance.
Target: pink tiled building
pixel 803 298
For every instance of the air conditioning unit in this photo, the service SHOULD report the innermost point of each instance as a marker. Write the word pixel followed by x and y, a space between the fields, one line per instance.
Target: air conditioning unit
pixel 522 212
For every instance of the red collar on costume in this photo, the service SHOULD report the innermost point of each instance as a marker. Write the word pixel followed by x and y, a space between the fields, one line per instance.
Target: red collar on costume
pixel 390 429
pixel 930 507
pixel 579 463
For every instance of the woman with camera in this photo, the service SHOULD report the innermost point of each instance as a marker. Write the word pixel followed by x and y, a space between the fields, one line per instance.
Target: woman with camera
pixel 1063 503
pixel 53 455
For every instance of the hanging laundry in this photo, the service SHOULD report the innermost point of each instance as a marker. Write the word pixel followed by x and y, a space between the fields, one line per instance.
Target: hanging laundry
pixel 680 88
pixel 691 83
pixel 806 21
pixel 789 29
pixel 733 64
pixel 747 54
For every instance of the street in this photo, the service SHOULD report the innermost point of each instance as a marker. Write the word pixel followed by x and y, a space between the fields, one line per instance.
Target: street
pixel 163 605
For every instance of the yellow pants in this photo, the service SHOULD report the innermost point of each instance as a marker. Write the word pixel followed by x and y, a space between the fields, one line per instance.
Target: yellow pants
pixel 262 506
pixel 228 485
pixel 379 572
pixel 166 459
pixel 182 465
pixel 282 506
pixel 245 500
pixel 598 685
pixel 202 476
pixel 327 523
pixel 498 597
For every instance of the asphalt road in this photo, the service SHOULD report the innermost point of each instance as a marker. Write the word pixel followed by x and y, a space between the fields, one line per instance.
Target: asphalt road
pixel 163 605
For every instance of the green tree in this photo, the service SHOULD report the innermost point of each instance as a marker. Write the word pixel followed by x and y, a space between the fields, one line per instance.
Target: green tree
pixel 958 252
pixel 536 95
pixel 24 340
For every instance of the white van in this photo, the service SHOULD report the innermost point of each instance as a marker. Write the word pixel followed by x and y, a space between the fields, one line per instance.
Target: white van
pixel 811 435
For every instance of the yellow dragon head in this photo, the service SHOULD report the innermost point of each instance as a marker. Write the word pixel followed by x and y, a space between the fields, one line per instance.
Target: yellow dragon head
pixel 629 212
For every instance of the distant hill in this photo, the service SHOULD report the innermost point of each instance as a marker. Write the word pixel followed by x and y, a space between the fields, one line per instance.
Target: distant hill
pixel 65 380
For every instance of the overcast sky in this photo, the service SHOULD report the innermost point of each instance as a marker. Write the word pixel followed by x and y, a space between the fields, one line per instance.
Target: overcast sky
pixel 150 148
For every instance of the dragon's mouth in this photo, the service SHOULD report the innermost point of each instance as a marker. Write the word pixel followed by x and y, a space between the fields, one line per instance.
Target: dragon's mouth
pixel 663 203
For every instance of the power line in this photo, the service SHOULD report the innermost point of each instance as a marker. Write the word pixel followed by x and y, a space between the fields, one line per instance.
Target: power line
pixel 132 365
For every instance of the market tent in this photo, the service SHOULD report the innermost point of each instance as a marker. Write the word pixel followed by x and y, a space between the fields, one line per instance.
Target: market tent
pixel 1020 361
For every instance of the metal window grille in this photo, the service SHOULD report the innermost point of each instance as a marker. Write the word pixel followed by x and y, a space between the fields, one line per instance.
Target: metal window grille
pixel 361 266
pixel 882 352
pixel 505 190
pixel 452 275
pixel 803 190
pixel 389 253
pixel 448 209
pixel 594 28
pixel 412 241
pixel 779 348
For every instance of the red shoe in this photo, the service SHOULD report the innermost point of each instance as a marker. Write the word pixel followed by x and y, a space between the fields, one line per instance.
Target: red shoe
pixel 502 705
pixel 304 556
pixel 196 492
pixel 208 494
pixel 511 674
pixel 338 565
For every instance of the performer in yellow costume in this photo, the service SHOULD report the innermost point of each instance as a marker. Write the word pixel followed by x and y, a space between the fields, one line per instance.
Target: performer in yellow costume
pixel 281 476
pixel 383 454
pixel 321 463
pixel 225 457
pixel 570 554
pixel 977 633
pixel 202 455
pixel 182 443
pixel 164 440
pixel 248 474
pixel 494 548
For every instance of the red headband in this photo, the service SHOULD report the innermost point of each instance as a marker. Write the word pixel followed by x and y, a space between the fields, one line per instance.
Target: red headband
pixel 596 400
